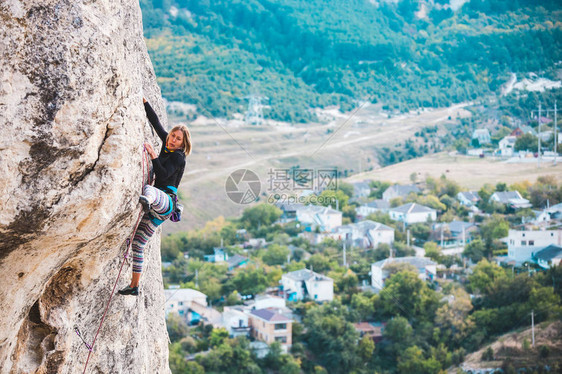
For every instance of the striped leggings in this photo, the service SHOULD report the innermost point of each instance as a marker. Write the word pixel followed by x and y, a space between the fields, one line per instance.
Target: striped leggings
pixel 160 210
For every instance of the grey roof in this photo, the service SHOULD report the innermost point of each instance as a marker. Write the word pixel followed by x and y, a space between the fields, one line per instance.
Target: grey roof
pixel 412 208
pixel 371 225
pixel 236 260
pixel 505 196
pixel 457 226
pixel 361 185
pixel 378 204
pixel 470 195
pixel 548 253
pixel 306 274
pixel 270 315
pixel 418 262
pixel 403 190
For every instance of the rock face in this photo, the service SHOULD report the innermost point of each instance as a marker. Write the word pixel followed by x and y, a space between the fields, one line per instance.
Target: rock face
pixel 72 77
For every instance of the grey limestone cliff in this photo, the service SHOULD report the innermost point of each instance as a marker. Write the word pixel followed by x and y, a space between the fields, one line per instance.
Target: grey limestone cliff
pixel 72 123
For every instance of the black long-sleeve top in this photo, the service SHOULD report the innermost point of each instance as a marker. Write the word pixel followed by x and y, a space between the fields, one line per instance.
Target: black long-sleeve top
pixel 169 165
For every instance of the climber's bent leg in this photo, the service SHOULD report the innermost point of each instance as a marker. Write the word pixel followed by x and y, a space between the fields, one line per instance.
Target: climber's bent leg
pixel 158 200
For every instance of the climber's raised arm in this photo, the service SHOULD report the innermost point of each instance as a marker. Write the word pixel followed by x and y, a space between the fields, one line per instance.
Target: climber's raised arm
pixel 154 121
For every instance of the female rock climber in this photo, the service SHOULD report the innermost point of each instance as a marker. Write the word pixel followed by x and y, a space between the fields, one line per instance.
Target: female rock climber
pixel 158 201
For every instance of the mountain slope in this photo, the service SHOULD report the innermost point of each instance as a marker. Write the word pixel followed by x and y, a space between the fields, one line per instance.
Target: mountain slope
pixel 312 54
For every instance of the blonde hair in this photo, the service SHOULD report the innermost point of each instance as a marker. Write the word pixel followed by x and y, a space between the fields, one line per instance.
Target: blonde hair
pixel 186 142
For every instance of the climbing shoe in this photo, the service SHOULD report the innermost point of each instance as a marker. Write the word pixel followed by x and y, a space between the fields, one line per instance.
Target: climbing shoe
pixel 129 291
pixel 145 203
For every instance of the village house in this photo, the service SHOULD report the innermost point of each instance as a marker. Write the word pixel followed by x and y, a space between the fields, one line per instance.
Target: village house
pixel 306 284
pixel 512 199
pixel 373 330
pixel 468 198
pixel 236 261
pixel 507 146
pixel 236 321
pixel 523 244
pixel 366 234
pixel 549 256
pixel 314 217
pixel 185 302
pixel 361 189
pixel 413 213
pixel 372 207
pixel 397 190
pixel 289 211
pixel 482 135
pixel 453 234
pixel 270 326
pixel 219 255
pixel 427 269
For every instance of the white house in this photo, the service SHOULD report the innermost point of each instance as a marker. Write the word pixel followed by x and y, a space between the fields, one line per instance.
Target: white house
pixel 219 255
pixel 366 234
pixel 235 321
pixel 305 283
pixel 399 191
pixel 268 301
pixel 312 216
pixel 361 189
pixel 507 145
pixel 549 256
pixel 521 245
pixel 182 301
pixel 413 213
pixel 468 198
pixel 483 136
pixel 427 269
pixel 372 207
pixel 512 199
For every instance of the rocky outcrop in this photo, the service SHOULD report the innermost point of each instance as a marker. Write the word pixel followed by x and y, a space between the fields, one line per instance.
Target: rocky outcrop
pixel 72 77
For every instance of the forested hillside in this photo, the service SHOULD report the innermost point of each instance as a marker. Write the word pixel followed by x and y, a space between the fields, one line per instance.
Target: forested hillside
pixel 302 54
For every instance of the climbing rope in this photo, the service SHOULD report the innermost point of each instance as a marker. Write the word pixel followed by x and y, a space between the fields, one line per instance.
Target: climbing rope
pixel 129 241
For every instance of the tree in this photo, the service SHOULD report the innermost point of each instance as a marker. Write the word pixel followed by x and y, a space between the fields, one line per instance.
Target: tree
pixel 366 348
pixel 451 318
pixel 433 251
pixel 331 338
pixel 475 250
pixel 406 295
pixel 484 275
pixel 333 198
pixel 232 356
pixel 250 280
pixel 412 361
pixel 527 142
pixel 276 254
pixel 177 328
pixel 399 333
pixel 261 214
pixel 495 227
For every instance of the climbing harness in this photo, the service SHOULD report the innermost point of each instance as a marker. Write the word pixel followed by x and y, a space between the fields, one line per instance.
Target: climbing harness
pixel 145 169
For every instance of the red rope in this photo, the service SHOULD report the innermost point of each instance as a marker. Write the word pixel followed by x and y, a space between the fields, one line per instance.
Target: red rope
pixel 129 244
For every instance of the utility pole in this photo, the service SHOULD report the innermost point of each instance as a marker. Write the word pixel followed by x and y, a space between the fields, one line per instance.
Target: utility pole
pixel 539 136
pixel 344 260
pixel 555 134
pixel 533 326
pixel 408 237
